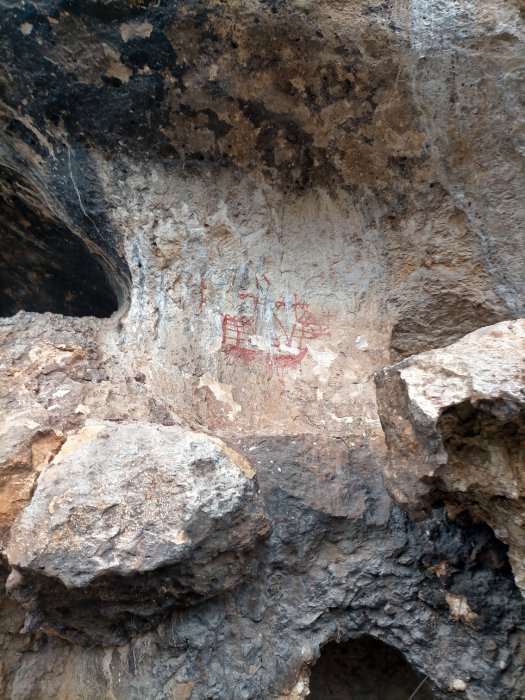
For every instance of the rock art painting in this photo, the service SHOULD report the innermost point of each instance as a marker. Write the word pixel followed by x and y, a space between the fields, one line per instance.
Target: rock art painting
pixel 262 350
pixel 272 330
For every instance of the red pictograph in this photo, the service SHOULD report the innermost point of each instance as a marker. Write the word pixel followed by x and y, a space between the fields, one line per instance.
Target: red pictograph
pixel 274 332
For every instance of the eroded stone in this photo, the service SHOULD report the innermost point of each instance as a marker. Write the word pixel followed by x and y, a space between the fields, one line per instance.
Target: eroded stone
pixel 284 197
pixel 133 519
pixel 454 421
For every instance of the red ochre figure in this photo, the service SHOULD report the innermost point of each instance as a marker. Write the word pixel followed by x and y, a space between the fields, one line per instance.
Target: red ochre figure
pixel 287 347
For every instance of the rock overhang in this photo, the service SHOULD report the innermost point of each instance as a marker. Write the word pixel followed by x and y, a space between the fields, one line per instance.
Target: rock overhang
pixel 453 420
pixel 302 94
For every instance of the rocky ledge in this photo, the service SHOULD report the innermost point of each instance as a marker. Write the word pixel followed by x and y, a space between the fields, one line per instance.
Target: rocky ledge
pixel 261 375
pixel 454 421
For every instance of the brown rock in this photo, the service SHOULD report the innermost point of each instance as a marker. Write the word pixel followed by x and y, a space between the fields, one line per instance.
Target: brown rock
pixel 226 217
pixel 24 450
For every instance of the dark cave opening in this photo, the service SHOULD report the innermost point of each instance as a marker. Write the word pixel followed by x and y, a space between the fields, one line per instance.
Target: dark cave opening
pixel 44 266
pixel 365 669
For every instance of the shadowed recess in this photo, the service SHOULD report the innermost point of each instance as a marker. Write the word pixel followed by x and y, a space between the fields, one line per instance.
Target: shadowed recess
pixel 365 669
pixel 44 266
pixel 435 321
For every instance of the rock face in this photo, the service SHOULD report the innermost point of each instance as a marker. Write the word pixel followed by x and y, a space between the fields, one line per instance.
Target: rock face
pixel 23 457
pixel 128 521
pixel 342 561
pixel 454 421
pixel 224 219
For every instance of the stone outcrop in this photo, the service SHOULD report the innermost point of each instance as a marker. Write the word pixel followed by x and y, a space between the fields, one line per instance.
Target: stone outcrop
pixel 224 219
pixel 342 561
pixel 454 421
pixel 128 521
pixel 26 450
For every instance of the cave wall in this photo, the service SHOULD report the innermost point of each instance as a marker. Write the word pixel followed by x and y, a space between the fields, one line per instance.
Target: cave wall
pixel 224 218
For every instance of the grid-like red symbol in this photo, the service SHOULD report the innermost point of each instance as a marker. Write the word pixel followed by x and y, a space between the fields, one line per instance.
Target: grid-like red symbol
pixel 293 324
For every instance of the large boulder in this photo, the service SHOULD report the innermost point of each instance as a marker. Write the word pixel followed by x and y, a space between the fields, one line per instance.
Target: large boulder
pixel 454 420
pixel 127 522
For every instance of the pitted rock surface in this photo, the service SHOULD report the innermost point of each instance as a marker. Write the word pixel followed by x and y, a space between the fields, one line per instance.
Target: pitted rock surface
pixel 226 218
pixel 137 518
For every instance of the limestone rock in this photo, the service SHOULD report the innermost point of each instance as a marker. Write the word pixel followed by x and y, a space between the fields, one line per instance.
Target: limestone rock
pixel 227 216
pixel 134 518
pixel 25 448
pixel 454 420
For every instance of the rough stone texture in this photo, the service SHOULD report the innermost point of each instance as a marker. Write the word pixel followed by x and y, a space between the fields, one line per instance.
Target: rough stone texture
pixel 454 421
pixel 26 452
pixel 240 131
pixel 128 521
pixel 281 198
pixel 342 561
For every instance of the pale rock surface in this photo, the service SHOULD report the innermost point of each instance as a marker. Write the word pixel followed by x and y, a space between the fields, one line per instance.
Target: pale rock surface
pixel 454 421
pixel 151 509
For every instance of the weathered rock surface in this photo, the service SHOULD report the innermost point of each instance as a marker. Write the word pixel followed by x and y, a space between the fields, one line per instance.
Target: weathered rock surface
pixel 226 217
pixel 128 521
pixel 342 561
pixel 24 451
pixel 454 421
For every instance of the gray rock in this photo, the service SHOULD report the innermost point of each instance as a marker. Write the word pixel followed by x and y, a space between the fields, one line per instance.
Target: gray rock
pixel 454 420
pixel 134 518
